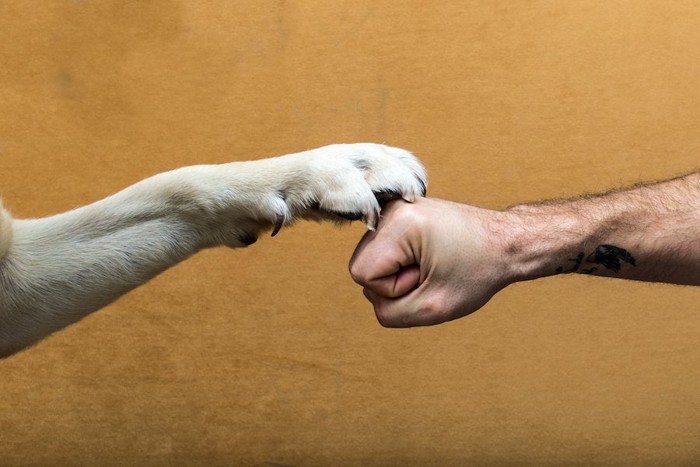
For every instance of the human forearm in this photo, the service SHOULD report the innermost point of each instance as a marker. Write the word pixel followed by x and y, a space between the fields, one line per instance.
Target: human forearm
pixel 435 261
pixel 649 233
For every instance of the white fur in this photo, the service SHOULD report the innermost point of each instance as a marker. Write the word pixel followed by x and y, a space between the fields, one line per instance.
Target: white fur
pixel 56 270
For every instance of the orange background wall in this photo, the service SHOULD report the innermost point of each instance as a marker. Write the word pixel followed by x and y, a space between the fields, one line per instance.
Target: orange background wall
pixel 270 355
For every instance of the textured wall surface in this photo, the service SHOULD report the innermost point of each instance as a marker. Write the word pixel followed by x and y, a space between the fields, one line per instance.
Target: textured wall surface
pixel 270 355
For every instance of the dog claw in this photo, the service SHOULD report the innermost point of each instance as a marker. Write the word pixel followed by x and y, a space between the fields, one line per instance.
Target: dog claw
pixel 371 219
pixel 279 220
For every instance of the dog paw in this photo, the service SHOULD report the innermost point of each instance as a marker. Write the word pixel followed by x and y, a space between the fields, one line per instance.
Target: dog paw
pixel 341 182
pixel 350 182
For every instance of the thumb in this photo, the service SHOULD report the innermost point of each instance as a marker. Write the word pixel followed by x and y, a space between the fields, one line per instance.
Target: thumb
pixel 401 312
pixel 398 284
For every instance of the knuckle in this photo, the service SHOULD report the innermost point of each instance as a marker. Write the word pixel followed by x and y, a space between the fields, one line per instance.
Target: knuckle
pixel 357 277
pixel 392 319
pixel 383 319
pixel 356 273
pixel 432 310
pixel 409 215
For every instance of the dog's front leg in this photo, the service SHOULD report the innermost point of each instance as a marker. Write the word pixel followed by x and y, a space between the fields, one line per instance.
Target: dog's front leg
pixel 56 270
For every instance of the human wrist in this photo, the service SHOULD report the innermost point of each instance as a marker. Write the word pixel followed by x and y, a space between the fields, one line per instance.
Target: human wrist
pixel 544 240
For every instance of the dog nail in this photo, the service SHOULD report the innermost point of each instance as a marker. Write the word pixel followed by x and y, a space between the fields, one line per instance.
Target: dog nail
pixel 371 219
pixel 279 220
pixel 424 188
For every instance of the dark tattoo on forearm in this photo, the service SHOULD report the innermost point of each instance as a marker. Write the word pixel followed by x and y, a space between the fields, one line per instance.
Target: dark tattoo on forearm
pixel 609 256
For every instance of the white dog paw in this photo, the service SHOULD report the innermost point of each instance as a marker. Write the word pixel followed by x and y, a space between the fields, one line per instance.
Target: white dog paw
pixel 350 181
pixel 341 182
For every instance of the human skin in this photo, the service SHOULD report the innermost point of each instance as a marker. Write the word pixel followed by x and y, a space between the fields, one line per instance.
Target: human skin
pixel 434 261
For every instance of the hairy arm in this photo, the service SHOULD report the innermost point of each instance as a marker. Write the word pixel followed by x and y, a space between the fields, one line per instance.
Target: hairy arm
pixel 436 260
pixel 649 233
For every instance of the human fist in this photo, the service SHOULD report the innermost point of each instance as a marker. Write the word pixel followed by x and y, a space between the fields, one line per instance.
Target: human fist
pixel 430 261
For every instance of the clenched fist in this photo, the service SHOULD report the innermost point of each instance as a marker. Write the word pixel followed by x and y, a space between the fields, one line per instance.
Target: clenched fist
pixel 429 262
